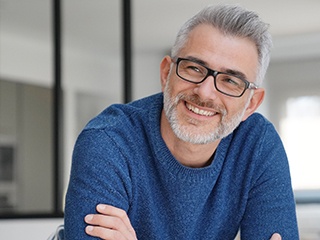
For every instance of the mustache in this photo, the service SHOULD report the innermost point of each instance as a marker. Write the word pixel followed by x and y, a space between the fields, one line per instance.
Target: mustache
pixel 202 103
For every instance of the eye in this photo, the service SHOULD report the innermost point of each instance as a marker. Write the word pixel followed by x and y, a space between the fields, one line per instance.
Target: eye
pixel 230 81
pixel 191 70
pixel 194 68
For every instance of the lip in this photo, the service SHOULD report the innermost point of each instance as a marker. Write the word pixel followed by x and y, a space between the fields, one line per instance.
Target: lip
pixel 200 111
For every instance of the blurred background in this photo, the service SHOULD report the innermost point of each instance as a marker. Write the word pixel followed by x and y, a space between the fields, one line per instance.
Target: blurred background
pixel 44 104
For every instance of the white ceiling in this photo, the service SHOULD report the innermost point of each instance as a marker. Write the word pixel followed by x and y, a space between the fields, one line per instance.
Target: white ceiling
pixel 154 22
pixel 286 17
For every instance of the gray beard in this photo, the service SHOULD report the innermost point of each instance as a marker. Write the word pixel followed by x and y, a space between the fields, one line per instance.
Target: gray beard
pixel 225 127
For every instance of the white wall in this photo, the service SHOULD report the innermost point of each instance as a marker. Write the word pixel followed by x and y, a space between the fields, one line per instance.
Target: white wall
pixel 35 229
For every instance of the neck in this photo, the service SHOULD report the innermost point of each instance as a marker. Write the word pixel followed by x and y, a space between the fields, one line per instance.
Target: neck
pixel 188 154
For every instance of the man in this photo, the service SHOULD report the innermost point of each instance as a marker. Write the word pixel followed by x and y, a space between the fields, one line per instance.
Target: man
pixel 195 162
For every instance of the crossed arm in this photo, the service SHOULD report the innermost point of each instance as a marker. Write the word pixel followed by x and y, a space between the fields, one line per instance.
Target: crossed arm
pixel 113 223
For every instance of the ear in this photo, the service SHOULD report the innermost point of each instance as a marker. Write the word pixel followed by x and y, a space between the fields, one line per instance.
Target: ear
pixel 255 102
pixel 164 70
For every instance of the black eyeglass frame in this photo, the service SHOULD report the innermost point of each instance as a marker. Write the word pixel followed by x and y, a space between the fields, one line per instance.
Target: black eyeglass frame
pixel 214 73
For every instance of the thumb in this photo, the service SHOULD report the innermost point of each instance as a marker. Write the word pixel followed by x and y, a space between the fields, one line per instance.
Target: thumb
pixel 276 236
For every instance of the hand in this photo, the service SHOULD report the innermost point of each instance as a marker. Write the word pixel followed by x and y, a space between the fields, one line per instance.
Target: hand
pixel 276 236
pixel 110 223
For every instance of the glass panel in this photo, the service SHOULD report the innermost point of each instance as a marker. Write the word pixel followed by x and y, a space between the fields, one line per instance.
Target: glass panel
pixel 25 148
pixel 92 64
pixel 300 131
pixel 293 102
pixel 25 108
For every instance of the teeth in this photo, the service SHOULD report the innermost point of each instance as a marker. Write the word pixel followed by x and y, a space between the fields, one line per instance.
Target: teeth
pixel 199 111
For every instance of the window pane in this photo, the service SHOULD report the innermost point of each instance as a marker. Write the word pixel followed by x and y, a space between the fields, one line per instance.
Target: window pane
pixel 26 178
pixel 300 131
pixel 26 181
pixel 92 65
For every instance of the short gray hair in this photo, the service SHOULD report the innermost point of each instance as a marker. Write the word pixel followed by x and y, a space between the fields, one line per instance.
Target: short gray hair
pixel 231 20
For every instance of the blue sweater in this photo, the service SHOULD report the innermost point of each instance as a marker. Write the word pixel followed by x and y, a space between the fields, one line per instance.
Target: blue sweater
pixel 121 159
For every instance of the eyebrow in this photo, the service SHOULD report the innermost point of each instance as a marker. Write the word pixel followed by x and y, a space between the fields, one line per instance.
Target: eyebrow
pixel 233 72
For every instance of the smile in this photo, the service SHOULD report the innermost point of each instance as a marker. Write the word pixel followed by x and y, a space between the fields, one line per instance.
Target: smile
pixel 199 111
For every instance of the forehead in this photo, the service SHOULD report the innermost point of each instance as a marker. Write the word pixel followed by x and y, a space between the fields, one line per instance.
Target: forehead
pixel 220 51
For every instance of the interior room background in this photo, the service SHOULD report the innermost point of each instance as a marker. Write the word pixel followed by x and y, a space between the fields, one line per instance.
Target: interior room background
pixel 92 78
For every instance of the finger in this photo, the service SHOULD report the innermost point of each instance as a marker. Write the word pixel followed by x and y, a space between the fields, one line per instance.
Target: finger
pixel 116 212
pixel 105 221
pixel 276 236
pixel 109 225
pixel 105 233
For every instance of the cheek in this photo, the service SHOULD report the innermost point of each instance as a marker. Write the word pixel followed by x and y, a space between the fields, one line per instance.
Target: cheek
pixel 173 87
pixel 234 107
pixel 180 86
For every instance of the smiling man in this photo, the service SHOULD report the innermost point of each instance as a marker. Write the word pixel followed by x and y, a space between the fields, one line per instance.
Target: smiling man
pixel 195 162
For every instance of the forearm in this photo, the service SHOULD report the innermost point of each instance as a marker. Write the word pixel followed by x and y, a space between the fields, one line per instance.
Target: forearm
pixel 96 177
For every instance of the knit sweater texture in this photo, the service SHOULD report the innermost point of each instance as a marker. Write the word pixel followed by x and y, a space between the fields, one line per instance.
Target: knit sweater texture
pixel 121 159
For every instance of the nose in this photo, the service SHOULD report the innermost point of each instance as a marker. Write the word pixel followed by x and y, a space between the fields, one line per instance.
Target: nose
pixel 206 89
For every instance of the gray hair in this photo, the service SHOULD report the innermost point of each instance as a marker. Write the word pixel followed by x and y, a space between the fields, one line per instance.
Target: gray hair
pixel 235 21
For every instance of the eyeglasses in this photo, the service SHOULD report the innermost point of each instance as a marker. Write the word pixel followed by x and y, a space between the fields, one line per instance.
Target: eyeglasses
pixel 226 83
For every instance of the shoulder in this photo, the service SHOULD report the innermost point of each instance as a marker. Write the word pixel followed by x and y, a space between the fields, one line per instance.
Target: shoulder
pixel 124 115
pixel 257 138
pixel 259 143
pixel 120 128
pixel 256 127
pixel 255 120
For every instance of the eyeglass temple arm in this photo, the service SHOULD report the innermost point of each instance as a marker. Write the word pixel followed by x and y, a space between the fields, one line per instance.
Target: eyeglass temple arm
pixel 252 86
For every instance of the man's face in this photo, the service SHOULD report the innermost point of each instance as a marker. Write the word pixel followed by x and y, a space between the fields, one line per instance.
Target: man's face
pixel 198 113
